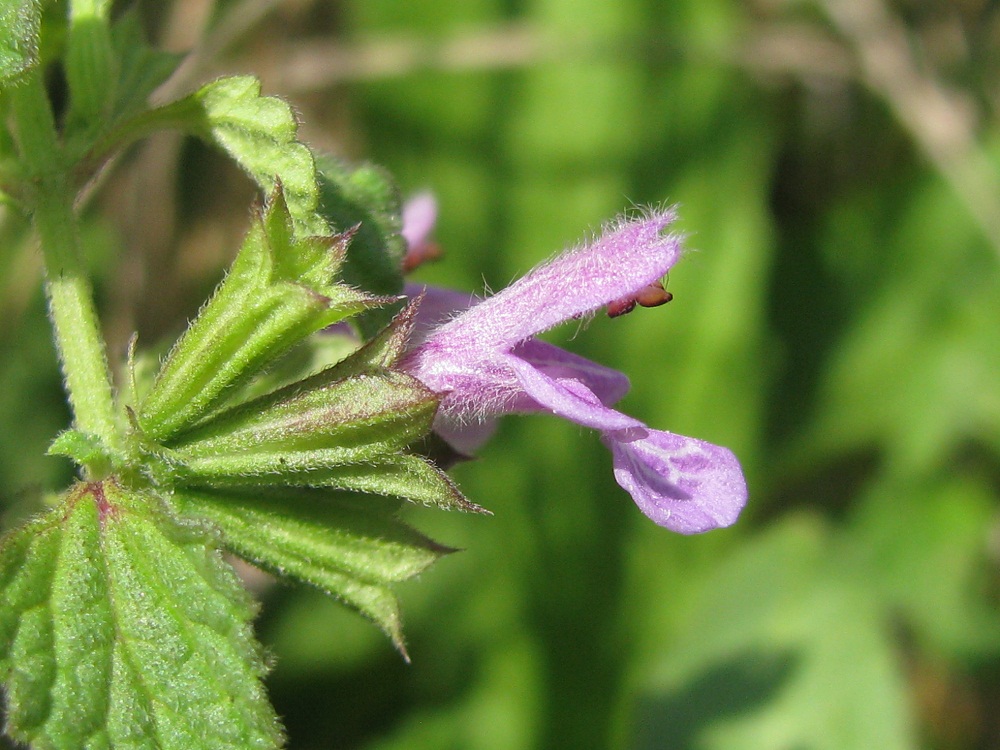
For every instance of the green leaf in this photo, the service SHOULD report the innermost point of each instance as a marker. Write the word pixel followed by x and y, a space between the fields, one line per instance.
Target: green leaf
pixel 343 549
pixel 141 68
pixel 924 543
pixel 122 627
pixel 83 449
pixel 787 646
pixel 19 23
pixel 366 197
pixel 278 291
pixel 261 134
pixel 116 111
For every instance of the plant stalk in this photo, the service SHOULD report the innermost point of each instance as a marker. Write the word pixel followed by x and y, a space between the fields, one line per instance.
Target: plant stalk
pixel 71 307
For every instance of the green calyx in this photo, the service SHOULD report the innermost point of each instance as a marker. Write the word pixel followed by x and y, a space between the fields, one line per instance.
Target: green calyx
pixel 279 290
pixel 346 427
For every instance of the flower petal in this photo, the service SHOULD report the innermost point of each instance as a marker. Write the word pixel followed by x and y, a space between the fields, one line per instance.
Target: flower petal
pixel 687 485
pixel 569 398
pixel 419 217
pixel 607 384
pixel 628 257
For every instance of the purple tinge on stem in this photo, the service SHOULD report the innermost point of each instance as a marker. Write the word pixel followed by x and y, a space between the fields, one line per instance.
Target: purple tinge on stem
pixel 487 362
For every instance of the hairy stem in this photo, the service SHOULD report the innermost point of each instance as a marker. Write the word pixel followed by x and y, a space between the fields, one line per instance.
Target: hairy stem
pixel 71 306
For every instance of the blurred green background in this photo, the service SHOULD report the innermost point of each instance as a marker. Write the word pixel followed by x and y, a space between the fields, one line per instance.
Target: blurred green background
pixel 836 324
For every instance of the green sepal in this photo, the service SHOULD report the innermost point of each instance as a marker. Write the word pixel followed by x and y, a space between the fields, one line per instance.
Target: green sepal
pixel 388 345
pixel 380 352
pixel 336 355
pixel 367 197
pixel 278 291
pixel 121 626
pixel 354 419
pixel 334 394
pixel 314 354
pixel 343 428
pixel 350 551
pixel 19 25
pixel 405 476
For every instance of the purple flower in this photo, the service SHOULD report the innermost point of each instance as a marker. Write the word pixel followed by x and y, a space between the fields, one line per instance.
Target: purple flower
pixel 487 362
pixel 419 217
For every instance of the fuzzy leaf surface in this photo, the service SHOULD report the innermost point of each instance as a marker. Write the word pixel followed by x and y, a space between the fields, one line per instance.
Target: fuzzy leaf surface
pixel 336 355
pixel 261 134
pixel 19 23
pixel 346 550
pixel 122 627
pixel 83 449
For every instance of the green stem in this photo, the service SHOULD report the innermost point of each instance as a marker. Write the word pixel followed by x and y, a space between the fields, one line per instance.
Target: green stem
pixel 74 318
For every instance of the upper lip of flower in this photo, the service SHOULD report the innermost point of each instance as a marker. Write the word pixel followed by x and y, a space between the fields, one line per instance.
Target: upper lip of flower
pixel 628 257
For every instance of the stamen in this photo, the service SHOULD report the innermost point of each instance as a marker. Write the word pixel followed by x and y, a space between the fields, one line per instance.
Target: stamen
pixel 651 295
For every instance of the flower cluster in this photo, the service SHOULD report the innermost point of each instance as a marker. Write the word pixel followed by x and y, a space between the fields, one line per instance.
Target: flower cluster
pixel 482 355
